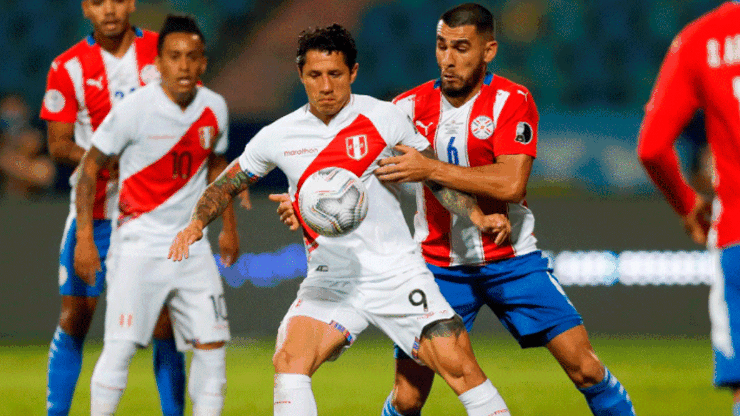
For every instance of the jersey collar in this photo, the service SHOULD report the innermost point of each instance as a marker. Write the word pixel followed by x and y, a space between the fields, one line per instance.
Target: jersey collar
pixel 91 39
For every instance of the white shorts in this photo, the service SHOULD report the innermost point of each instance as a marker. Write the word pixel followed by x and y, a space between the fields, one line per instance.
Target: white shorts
pixel 139 286
pixel 401 306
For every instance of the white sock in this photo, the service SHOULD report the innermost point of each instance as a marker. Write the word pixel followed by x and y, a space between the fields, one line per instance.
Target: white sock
pixel 110 376
pixel 207 382
pixel 293 396
pixel 484 400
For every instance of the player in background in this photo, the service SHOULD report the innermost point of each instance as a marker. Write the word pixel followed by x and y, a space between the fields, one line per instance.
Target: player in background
pixel 484 131
pixel 702 71
pixel 83 84
pixel 373 275
pixel 170 137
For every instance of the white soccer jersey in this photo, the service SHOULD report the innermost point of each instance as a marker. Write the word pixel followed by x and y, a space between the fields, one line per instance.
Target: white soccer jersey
pixel 84 83
pixel 363 132
pixel 163 163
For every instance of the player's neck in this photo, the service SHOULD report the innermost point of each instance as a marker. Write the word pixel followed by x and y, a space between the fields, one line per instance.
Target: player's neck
pixel 462 99
pixel 182 100
pixel 116 45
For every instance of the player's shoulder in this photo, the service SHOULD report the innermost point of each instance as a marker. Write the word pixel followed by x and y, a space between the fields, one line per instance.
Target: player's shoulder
pixel 707 24
pixel 376 109
pixel 427 88
pixel 74 51
pixel 498 83
pixel 212 98
pixel 147 35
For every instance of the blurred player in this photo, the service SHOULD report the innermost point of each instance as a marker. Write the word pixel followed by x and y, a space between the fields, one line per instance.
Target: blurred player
pixel 83 84
pixel 702 71
pixel 169 137
pixel 373 275
pixel 484 131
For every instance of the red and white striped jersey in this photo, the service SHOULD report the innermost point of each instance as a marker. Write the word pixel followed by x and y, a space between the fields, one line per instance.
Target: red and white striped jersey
pixel 163 163
pixel 84 83
pixel 700 71
pixel 362 133
pixel 500 120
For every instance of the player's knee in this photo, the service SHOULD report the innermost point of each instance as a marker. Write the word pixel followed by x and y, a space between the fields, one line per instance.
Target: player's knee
pixel 111 370
pixel 588 371
pixel 76 316
pixel 408 401
pixel 207 385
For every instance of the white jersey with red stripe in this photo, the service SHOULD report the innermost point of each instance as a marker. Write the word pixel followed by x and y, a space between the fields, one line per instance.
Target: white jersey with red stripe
pixel 163 163
pixel 363 132
pixel 500 120
pixel 84 83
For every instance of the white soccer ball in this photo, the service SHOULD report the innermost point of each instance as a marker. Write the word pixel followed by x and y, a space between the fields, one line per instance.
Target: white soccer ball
pixel 333 201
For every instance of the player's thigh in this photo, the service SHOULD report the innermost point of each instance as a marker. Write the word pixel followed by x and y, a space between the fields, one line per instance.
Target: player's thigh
pixel 69 283
pixel 137 288
pixel 459 288
pixel 528 299
pixel 724 314
pixel 405 309
pixel 197 305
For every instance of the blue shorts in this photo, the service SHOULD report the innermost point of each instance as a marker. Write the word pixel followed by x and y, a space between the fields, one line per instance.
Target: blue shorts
pixel 724 313
pixel 521 291
pixel 69 283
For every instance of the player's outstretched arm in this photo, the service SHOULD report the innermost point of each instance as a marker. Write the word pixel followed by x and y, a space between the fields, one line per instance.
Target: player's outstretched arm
pixel 228 239
pixel 211 204
pixel 62 147
pixel 87 258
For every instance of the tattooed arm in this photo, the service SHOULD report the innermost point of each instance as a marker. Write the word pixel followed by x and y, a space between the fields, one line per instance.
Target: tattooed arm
pixel 228 239
pixel 87 258
pixel 214 201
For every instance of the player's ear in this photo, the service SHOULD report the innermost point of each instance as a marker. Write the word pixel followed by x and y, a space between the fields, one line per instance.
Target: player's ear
pixel 158 63
pixel 353 72
pixel 489 51
pixel 132 6
pixel 300 73
pixel 203 65
pixel 85 7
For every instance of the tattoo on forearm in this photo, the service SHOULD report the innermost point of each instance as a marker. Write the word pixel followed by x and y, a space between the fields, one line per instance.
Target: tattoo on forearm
pixel 86 183
pixel 217 196
pixel 452 327
pixel 457 202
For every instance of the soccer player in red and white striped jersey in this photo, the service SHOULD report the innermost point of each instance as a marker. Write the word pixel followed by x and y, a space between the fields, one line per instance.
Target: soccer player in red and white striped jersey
pixel 484 132
pixel 701 71
pixel 83 84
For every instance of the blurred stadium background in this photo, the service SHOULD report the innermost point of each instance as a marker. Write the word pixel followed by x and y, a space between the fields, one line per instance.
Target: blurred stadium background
pixel 590 65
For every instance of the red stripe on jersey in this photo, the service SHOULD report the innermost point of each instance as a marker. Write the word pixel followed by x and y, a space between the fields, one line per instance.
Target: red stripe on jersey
pixel 146 51
pixel 354 148
pixel 95 85
pixel 436 246
pixel 149 188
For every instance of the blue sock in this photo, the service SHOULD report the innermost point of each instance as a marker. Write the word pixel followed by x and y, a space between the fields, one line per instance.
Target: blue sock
pixel 608 397
pixel 390 410
pixel 65 361
pixel 736 409
pixel 169 371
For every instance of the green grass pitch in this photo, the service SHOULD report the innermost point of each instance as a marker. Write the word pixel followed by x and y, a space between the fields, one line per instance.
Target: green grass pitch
pixel 664 376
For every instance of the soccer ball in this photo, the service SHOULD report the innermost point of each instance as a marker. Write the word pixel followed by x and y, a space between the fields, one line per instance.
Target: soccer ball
pixel 333 201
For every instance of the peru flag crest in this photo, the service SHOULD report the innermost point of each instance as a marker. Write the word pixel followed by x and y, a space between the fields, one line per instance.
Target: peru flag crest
pixel 356 146
pixel 206 136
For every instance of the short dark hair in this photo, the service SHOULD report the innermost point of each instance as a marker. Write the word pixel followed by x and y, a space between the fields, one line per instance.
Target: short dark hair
pixel 334 38
pixel 471 14
pixel 178 23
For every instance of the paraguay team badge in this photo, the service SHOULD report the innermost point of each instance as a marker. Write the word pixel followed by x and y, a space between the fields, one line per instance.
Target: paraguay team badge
pixel 356 146
pixel 482 127
pixel 206 136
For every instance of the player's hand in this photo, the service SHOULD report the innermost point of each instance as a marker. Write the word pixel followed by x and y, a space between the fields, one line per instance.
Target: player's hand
pixel 87 260
pixel 180 247
pixel 285 211
pixel 410 166
pixel 228 243
pixel 492 224
pixel 244 199
pixel 697 221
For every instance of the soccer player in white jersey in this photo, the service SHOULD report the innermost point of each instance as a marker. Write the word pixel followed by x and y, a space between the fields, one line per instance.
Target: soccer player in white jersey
pixel 170 137
pixel 83 84
pixel 373 275
pixel 484 131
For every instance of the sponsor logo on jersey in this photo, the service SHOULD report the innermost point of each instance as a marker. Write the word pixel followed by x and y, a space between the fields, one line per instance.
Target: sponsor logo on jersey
pixel 356 146
pixel 322 268
pixel 421 125
pixel 149 73
pixel 97 83
pixel 523 132
pixel 54 101
pixel 482 127
pixel 299 152
pixel 206 134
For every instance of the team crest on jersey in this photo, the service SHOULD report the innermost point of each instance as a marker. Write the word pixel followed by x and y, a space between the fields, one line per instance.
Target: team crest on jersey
pixel 356 146
pixel 54 101
pixel 149 73
pixel 206 136
pixel 482 127
pixel 523 133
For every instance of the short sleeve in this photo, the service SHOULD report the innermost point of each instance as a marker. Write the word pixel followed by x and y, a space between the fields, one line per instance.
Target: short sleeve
pixel 60 102
pixel 404 131
pixel 517 126
pixel 256 159
pixel 222 142
pixel 114 133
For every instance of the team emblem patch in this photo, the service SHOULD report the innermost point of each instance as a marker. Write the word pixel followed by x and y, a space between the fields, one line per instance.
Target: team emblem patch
pixel 482 127
pixel 149 73
pixel 523 133
pixel 356 146
pixel 206 136
pixel 54 101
